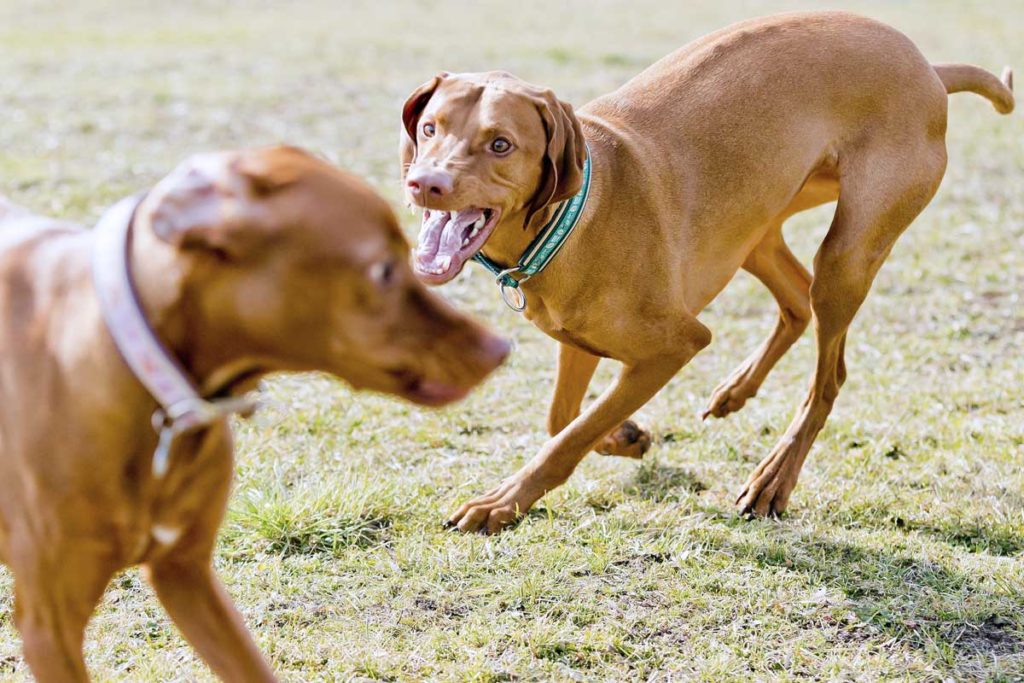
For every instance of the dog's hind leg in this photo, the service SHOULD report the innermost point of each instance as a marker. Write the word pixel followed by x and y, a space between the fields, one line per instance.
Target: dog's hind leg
pixel 874 209
pixel 774 265
pixel 53 600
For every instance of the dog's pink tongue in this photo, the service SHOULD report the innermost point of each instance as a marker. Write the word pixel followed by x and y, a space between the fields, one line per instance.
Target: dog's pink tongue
pixel 455 232
pixel 441 237
pixel 430 234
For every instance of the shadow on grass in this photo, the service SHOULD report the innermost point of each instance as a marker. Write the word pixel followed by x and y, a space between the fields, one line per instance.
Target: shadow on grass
pixel 328 536
pixel 1003 537
pixel 958 624
pixel 9 664
pixel 654 481
pixel 997 539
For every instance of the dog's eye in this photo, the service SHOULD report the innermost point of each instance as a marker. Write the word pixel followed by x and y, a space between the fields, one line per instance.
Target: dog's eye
pixel 429 129
pixel 382 273
pixel 501 146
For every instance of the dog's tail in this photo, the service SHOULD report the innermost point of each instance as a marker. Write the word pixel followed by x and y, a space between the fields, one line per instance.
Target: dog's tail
pixel 961 77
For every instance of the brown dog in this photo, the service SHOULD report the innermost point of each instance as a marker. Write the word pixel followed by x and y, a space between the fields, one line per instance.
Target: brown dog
pixel 243 264
pixel 696 164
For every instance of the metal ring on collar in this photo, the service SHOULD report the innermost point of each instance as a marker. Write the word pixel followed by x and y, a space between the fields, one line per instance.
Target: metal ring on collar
pixel 516 302
pixel 202 410
pixel 507 274
pixel 197 412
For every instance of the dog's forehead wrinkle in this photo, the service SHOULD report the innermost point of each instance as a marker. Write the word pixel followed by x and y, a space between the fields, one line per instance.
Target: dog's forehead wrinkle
pixel 456 107
pixel 507 107
pixel 462 118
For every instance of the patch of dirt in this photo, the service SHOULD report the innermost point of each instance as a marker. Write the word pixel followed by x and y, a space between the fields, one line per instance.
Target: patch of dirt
pixel 993 636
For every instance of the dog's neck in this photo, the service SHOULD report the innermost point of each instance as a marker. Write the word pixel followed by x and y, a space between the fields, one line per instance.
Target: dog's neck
pixel 163 279
pixel 511 238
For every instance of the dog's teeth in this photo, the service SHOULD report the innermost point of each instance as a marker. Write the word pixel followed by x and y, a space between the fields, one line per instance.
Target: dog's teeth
pixel 446 263
pixel 465 241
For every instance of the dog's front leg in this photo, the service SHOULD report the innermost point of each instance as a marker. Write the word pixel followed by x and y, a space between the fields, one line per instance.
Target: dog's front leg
pixel 635 385
pixel 55 593
pixel 575 369
pixel 200 606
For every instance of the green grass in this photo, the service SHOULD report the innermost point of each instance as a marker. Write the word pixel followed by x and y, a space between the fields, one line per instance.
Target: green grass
pixel 902 554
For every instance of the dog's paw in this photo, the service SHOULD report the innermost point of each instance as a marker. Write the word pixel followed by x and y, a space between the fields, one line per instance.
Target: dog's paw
pixel 629 441
pixel 728 397
pixel 767 491
pixel 500 508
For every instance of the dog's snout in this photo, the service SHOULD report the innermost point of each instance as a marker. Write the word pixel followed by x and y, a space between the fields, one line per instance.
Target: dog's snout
pixel 430 183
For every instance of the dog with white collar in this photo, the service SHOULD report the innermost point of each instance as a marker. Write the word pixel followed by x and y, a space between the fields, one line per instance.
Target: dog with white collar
pixel 126 347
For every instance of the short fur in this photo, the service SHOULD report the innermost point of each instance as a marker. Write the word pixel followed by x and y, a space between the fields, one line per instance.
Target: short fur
pixel 246 263
pixel 697 162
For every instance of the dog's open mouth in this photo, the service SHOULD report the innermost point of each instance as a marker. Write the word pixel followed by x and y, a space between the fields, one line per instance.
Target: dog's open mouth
pixel 450 238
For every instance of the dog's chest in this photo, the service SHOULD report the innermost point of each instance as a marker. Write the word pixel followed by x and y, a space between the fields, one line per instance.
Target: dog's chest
pixel 187 503
pixel 571 329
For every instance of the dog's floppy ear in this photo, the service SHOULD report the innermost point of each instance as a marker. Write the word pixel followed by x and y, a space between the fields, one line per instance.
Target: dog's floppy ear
pixel 211 202
pixel 411 112
pixel 566 153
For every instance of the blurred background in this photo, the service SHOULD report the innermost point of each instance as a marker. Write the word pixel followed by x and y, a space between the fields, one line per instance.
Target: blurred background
pixel 101 97
pixel 901 556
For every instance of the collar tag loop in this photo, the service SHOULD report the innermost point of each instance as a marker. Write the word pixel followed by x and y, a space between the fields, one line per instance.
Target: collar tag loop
pixel 189 415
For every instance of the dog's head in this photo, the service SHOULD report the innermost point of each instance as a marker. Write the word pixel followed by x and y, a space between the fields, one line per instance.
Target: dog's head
pixel 484 154
pixel 283 262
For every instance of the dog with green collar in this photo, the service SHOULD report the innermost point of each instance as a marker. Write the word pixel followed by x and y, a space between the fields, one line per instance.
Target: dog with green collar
pixel 696 164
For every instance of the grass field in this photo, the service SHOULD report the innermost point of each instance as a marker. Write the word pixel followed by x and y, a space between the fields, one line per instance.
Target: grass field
pixel 902 554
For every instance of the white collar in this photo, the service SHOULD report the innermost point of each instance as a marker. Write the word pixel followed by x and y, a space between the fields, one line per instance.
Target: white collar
pixel 182 408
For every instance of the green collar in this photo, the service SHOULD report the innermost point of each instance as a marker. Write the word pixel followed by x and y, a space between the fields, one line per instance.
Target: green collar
pixel 543 248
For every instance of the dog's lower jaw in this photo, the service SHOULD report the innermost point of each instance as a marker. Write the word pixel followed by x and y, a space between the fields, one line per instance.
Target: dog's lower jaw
pixel 433 393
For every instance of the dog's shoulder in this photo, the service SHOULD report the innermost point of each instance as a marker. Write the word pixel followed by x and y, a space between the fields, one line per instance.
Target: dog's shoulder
pixel 20 227
pixel 34 251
